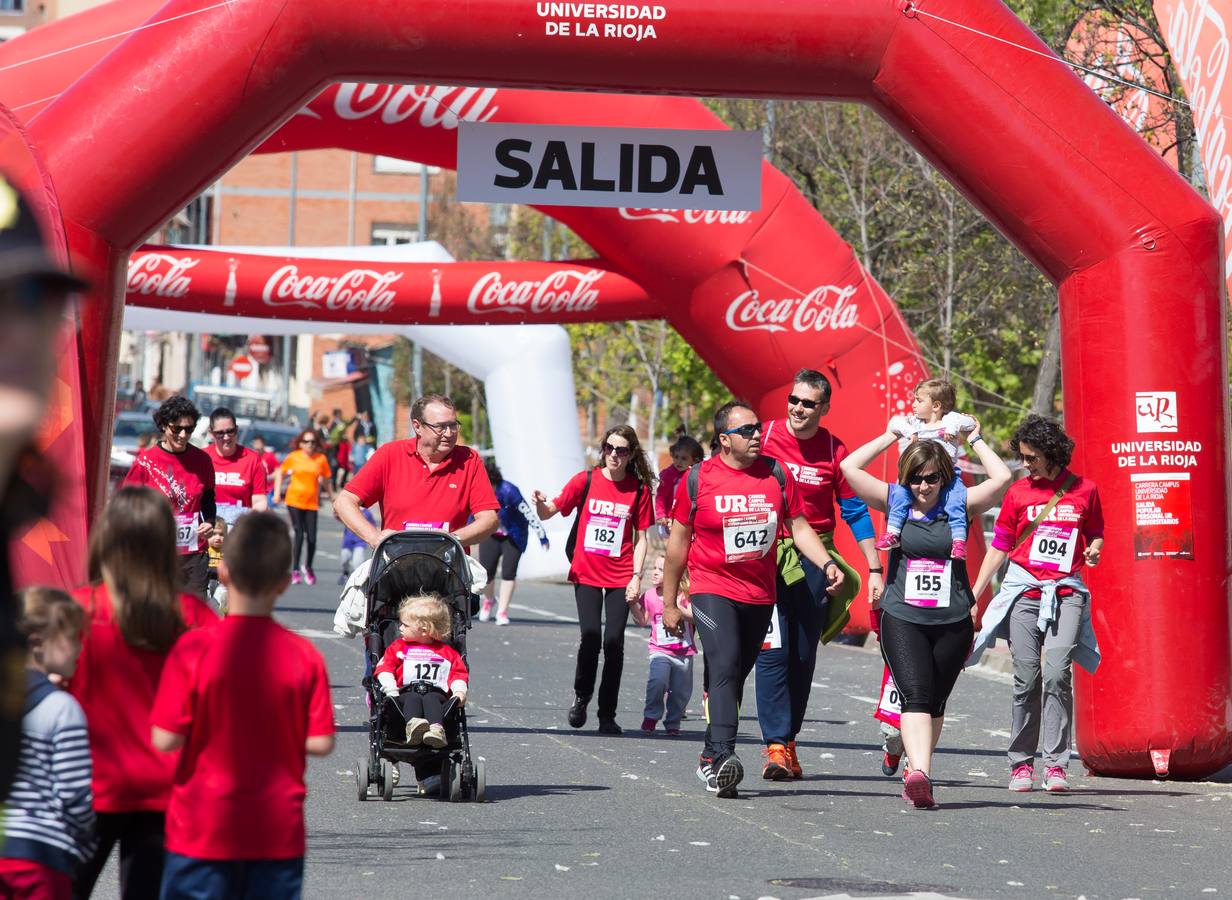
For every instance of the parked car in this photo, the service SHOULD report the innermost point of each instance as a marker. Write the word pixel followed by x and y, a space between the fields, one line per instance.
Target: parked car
pixel 129 425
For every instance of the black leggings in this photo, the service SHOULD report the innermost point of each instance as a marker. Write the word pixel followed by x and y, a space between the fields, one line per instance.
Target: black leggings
pixel 500 549
pixel 592 604
pixel 304 523
pixel 925 660
pixel 731 634
pixel 430 706
pixel 140 835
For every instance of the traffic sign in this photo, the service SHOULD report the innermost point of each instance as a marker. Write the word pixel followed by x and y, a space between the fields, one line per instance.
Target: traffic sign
pixel 242 367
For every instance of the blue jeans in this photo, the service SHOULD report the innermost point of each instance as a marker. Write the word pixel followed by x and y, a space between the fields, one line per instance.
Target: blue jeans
pixel 953 499
pixel 670 676
pixel 188 878
pixel 785 674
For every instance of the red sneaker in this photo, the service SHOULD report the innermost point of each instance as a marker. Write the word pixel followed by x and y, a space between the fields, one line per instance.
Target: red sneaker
pixel 778 763
pixel 918 790
pixel 796 771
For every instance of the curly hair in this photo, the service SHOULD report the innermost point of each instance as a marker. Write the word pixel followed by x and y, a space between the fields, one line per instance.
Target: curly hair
pixel 918 456
pixel 639 467
pixel 427 609
pixel 1047 437
pixel 172 410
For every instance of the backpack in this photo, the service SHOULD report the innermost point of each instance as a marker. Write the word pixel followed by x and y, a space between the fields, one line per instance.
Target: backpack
pixel 571 541
pixel 694 477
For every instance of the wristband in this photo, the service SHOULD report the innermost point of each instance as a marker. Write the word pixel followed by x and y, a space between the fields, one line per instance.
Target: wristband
pixel 829 563
pixel 972 440
pixel 875 570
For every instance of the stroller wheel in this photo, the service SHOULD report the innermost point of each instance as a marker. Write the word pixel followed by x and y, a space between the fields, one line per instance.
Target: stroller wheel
pixel 451 781
pixel 447 768
pixel 481 782
pixel 387 780
pixel 362 779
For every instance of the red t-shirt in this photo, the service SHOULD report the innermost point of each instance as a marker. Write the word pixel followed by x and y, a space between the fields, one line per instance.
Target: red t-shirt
pixel 739 512
pixel 269 459
pixel 115 684
pixel 397 477
pixel 1054 550
pixel 246 695
pixel 815 464
pixel 665 495
pixel 237 479
pixel 603 555
pixel 434 661
pixel 183 478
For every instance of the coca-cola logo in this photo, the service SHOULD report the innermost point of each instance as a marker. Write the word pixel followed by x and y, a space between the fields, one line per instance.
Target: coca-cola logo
pixel 356 289
pixel 825 308
pixel 565 291
pixel 435 105
pixel 688 216
pixel 160 275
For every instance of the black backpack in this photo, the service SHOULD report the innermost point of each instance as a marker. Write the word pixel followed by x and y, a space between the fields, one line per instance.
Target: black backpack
pixel 571 541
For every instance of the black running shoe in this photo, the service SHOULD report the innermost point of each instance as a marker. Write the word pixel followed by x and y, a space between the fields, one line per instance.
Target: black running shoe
pixel 577 712
pixel 728 773
pixel 609 726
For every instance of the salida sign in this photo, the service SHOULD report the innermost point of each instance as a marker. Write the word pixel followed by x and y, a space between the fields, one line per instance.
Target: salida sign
pixel 556 165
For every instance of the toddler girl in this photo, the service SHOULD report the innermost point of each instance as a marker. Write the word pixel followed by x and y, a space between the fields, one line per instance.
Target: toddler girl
pixel 671 657
pixel 419 671
pixel 685 452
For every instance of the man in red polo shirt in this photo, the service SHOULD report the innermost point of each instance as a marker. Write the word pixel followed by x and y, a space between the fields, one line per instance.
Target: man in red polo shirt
pixel 427 481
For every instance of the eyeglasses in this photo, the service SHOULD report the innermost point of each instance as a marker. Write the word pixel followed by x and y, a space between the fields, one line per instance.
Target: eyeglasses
pixel 930 478
pixel 618 452
pixel 225 432
pixel 308 441
pixel 441 427
pixel 180 429
pixel 793 400
pixel 746 431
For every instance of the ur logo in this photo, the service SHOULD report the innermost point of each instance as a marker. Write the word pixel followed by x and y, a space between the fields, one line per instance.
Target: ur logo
pixel 1156 411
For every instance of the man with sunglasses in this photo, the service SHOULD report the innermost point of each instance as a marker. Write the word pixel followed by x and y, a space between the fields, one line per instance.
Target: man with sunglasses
pixel 428 481
pixel 239 474
pixel 185 476
pixel 727 513
pixel 805 614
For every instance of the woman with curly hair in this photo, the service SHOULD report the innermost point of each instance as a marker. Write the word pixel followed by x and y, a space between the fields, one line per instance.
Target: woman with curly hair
pixel 1051 525
pixel 614 504
pixel 184 475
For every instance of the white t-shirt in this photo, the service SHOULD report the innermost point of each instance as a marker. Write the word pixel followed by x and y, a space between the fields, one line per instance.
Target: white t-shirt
pixel 949 432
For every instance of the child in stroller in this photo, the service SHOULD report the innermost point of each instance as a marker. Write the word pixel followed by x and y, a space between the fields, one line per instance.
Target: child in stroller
pixel 419 671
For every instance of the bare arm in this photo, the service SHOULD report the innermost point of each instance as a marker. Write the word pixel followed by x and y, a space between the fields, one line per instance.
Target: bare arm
pixel 869 488
pixel 260 503
pixel 993 560
pixel 809 544
pixel 543 507
pixel 319 745
pixel 640 544
pixel 277 485
pixel 981 497
pixel 486 522
pixel 673 567
pixel 166 741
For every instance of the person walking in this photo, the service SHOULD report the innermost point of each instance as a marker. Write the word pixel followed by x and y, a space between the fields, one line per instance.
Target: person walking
pixel 1051 526
pixel 135 612
pixel 608 549
pixel 185 476
pixel 309 476
pixel 928 607
pixel 507 544
pixel 239 473
pixel 363 444
pixel 727 513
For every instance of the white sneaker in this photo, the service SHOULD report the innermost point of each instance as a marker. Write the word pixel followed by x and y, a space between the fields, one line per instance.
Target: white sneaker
pixel 502 618
pixel 416 729
pixel 485 611
pixel 435 737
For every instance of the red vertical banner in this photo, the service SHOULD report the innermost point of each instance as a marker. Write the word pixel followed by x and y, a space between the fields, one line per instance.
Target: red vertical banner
pixel 1163 515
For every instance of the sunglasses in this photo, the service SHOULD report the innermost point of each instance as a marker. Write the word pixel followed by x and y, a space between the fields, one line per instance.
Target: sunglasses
pixel 308 441
pixel 746 431
pixel 793 400
pixel 930 478
pixel 225 432
pixel 180 429
pixel 1029 457
pixel 618 452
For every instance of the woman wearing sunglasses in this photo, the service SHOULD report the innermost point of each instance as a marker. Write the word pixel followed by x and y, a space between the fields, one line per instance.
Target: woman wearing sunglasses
pixel 310 479
pixel 185 476
pixel 239 473
pixel 608 547
pixel 927 611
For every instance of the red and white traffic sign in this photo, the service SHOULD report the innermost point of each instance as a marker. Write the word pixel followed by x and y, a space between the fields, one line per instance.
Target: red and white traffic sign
pixel 242 367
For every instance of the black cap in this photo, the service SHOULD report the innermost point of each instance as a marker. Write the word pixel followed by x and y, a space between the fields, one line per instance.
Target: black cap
pixel 23 251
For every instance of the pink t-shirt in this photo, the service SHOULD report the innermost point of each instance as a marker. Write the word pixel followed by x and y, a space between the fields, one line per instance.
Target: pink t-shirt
pixel 660 641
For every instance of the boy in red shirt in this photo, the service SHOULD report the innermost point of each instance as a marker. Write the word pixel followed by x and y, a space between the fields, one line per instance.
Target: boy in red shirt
pixel 235 825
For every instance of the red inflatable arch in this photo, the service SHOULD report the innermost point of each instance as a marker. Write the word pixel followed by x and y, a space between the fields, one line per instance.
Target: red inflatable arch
pixel 1134 251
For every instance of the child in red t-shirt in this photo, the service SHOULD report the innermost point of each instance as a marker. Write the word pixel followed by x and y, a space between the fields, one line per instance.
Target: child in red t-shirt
pixel 419 671
pixel 245 701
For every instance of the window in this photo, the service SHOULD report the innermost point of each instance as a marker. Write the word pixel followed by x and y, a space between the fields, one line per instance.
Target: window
pixel 390 165
pixel 12 6
pixel 387 234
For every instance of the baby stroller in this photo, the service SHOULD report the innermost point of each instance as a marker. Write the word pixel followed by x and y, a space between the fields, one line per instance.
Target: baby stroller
pixel 413 562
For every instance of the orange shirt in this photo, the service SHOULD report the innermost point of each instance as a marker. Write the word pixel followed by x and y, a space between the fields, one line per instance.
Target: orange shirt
pixel 304 492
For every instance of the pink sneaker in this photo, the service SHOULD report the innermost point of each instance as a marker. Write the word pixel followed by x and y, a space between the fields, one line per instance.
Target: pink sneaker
pixel 1055 781
pixel 958 550
pixel 1021 778
pixel 918 790
pixel 295 577
pixel 309 578
pixel 887 541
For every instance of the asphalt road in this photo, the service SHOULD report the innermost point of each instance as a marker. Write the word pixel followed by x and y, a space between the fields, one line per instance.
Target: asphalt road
pixel 573 813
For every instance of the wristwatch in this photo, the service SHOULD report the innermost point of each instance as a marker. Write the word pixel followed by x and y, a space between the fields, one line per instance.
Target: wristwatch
pixel 875 570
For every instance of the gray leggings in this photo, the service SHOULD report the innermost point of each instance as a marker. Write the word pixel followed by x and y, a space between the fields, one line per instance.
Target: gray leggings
pixel 1046 688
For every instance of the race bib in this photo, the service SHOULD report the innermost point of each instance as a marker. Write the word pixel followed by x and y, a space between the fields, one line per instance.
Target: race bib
pixel 229 512
pixel 604 535
pixel 425 526
pixel 423 664
pixel 1052 547
pixel 669 641
pixel 186 533
pixel 890 704
pixel 928 583
pixel 748 535
pixel 774 636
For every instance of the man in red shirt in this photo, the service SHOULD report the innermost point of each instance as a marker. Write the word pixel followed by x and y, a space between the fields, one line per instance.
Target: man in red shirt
pixel 239 473
pixel 427 481
pixel 805 616
pixel 244 701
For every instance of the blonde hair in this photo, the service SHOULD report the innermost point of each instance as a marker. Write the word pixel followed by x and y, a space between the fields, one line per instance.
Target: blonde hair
pixel 939 391
pixel 427 609
pixel 48 613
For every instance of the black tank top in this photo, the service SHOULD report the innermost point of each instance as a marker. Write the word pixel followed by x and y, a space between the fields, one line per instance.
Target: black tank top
pixel 924 585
